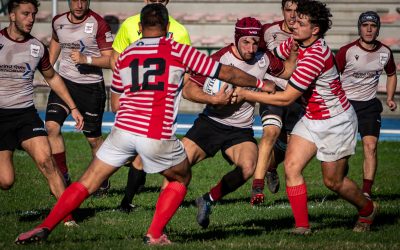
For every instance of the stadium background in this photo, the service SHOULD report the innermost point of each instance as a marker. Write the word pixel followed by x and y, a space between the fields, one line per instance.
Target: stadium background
pixel 211 26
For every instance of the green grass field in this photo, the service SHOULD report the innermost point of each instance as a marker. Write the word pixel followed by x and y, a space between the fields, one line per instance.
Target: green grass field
pixel 234 223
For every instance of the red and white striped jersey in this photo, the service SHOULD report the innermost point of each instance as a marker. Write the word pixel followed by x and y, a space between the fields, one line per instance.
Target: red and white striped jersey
pixel 273 35
pixel 149 77
pixel 18 63
pixel 360 69
pixel 240 115
pixel 317 77
pixel 90 37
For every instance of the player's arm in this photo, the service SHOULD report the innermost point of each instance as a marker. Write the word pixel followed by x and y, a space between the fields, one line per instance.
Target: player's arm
pixel 240 78
pixel 102 61
pixel 54 50
pixel 56 83
pixel 280 98
pixel 193 92
pixel 114 58
pixel 115 102
pixel 290 62
pixel 391 85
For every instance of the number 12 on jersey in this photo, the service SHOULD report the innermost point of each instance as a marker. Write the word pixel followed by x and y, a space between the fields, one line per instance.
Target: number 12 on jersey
pixel 135 71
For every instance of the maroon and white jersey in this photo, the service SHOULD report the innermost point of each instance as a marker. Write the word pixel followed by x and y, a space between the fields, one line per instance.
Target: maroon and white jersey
pixel 317 77
pixel 273 35
pixel 240 115
pixel 149 77
pixel 18 63
pixel 360 69
pixel 90 36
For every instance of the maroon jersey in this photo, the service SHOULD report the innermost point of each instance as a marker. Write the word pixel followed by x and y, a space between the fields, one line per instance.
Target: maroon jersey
pixel 360 69
pixel 149 77
pixel 90 36
pixel 316 75
pixel 272 35
pixel 18 63
pixel 240 115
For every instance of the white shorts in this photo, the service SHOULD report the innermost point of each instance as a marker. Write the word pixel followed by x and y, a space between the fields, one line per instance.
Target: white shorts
pixel 334 138
pixel 157 155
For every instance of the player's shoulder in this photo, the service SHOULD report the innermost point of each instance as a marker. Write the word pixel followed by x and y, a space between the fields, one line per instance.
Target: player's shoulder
pixel 269 26
pixel 384 46
pixel 96 16
pixel 60 16
pixel 346 47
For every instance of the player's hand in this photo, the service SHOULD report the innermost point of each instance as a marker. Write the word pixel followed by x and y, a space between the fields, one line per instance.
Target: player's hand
pixel 238 95
pixel 222 97
pixel 77 57
pixel 78 119
pixel 391 104
pixel 269 86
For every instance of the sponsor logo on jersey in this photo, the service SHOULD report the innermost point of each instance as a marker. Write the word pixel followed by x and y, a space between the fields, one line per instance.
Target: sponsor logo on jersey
pixel 1 46
pixel 274 36
pixel 261 62
pixel 82 46
pixel 356 57
pixel 35 50
pixel 109 37
pixel 89 27
pixel 383 58
pixel 28 72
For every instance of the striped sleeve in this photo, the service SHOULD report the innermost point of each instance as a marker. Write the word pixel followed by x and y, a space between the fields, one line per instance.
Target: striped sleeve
pixel 307 70
pixel 197 61
pixel 116 84
pixel 283 50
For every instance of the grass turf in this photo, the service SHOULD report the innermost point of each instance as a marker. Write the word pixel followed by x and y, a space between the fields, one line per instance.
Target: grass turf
pixel 234 223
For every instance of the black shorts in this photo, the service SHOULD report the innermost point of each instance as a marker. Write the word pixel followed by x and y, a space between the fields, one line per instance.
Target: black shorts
pixel 368 116
pixel 212 136
pixel 90 100
pixel 18 125
pixel 284 117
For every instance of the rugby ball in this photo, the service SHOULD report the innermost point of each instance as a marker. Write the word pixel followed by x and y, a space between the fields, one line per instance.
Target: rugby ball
pixel 213 85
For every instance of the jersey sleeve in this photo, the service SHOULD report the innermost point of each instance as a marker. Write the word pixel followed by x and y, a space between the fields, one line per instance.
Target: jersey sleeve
pixel 263 44
pixel 340 59
pixel 276 66
pixel 116 83
pixel 104 37
pixel 307 71
pixel 54 33
pixel 283 50
pixel 44 63
pixel 201 79
pixel 390 67
pixel 121 41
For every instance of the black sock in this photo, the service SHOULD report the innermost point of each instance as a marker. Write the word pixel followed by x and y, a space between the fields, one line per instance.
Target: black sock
pixel 135 179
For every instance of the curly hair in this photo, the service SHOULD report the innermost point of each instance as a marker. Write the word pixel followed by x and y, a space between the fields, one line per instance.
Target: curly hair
pixel 15 3
pixel 318 13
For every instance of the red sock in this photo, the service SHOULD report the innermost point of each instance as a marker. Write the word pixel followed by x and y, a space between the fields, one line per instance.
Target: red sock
pixel 258 183
pixel 168 202
pixel 216 192
pixel 70 200
pixel 367 209
pixel 367 186
pixel 61 162
pixel 298 201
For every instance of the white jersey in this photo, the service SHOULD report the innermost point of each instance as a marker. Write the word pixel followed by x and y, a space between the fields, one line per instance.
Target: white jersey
pixel 360 69
pixel 240 115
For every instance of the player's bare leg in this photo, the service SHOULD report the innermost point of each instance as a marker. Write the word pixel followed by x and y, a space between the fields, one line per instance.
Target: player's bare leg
pixel 265 152
pixel 7 173
pixel 295 161
pixel 370 148
pixel 39 149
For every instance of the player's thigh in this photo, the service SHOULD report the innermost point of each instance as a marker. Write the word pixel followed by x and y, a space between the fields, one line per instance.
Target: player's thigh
pixel 194 153
pixel 96 173
pixel 38 148
pixel 299 152
pixel 243 154
pixel 7 173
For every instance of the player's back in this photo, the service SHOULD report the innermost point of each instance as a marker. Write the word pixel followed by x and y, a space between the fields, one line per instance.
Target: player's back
pixel 149 77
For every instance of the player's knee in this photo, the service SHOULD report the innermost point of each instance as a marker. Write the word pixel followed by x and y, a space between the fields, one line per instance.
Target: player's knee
pixel 248 168
pixel 271 134
pixel 53 128
pixel 332 183
pixel 370 148
pixel 45 163
pixel 291 169
pixel 6 184
pixel 95 142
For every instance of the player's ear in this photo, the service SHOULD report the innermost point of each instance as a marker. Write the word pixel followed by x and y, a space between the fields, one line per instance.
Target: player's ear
pixel 168 26
pixel 12 16
pixel 140 27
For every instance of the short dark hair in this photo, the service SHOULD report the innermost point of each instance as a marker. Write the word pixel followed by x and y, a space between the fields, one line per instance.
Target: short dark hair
pixel 318 13
pixel 285 1
pixel 154 15
pixel 12 4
